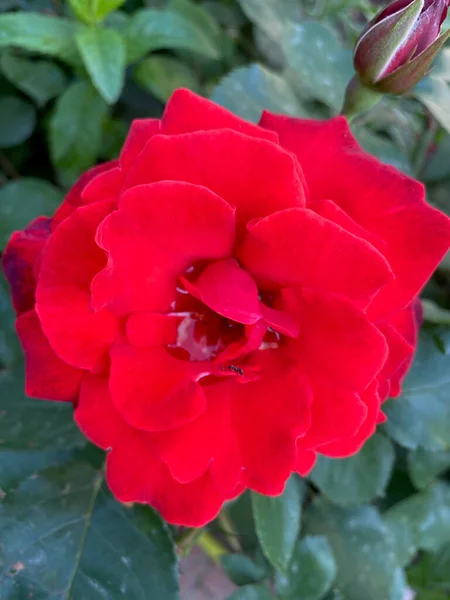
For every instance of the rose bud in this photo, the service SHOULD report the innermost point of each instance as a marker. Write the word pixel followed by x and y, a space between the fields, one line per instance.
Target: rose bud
pixel 397 47
pixel 225 301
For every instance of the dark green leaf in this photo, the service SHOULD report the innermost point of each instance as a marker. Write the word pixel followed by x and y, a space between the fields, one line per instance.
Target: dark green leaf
pixel 76 129
pixel 322 67
pixel 40 79
pixel 241 513
pixel 311 571
pixel 421 417
pixel 64 536
pixel 152 29
pixel 432 570
pixel 421 521
pixel 251 592
pixel 22 200
pixel 425 466
pixel 39 33
pixel 435 94
pixel 103 54
pixel 362 547
pixel 360 478
pixel 242 569
pixel 18 465
pixel 30 424
pixel 162 75
pixel 249 90
pixel 17 121
pixel 277 521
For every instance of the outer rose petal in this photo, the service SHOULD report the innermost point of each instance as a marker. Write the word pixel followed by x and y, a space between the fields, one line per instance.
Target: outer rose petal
pixel 261 177
pixel 96 415
pixel 347 447
pixel 47 376
pixel 186 112
pixel 73 200
pixel 337 342
pixel 134 474
pixel 297 247
pixel 268 415
pixel 158 232
pixel 335 414
pixel 104 186
pixel 400 355
pixel 141 131
pixel 392 206
pixel 19 262
pixel 78 335
pixel 188 451
pixel 305 461
pixel 154 391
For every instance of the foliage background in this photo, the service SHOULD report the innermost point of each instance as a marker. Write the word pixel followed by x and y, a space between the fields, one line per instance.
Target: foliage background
pixel 72 77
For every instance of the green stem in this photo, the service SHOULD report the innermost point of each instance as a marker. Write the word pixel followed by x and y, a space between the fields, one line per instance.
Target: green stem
pixel 211 547
pixel 358 99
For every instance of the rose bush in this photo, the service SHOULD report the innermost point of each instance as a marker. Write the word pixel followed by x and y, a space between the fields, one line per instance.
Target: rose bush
pixel 225 301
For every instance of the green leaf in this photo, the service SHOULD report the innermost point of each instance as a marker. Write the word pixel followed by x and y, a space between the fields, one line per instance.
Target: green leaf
pixel 76 129
pixel 242 570
pixel 152 29
pixel 360 478
pixel 64 536
pixel 10 350
pixel 162 75
pixel 251 592
pixel 94 11
pixel 438 165
pixel 249 90
pixel 311 571
pixel 435 94
pixel 40 79
pixel 322 67
pixel 241 513
pixel 17 121
pixel 103 54
pixel 43 34
pixel 197 15
pixel 362 547
pixel 277 521
pixel 421 416
pixel 18 465
pixel 433 313
pixel 272 15
pixel 424 466
pixel 22 200
pixel 382 148
pixel 422 521
pixel 27 423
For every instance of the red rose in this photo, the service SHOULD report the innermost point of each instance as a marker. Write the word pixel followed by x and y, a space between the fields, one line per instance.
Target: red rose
pixel 225 301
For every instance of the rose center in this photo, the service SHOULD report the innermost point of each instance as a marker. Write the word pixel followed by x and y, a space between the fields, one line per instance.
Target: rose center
pixel 222 319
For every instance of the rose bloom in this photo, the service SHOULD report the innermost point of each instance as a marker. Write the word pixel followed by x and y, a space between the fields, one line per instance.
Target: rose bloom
pixel 225 301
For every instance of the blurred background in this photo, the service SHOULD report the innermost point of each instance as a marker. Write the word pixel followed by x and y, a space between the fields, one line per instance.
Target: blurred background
pixel 73 75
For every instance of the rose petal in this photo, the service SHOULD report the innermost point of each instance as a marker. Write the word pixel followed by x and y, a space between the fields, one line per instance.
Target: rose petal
pixel 158 232
pixel 377 197
pixel 46 375
pixel 186 112
pixel 79 336
pixel 298 247
pixel 154 391
pixel 261 177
